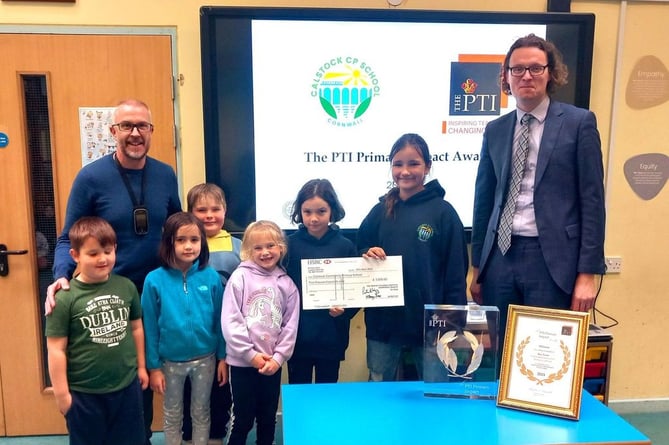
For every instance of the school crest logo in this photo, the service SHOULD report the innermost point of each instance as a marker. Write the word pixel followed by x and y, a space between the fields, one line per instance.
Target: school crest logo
pixel 345 88
pixel 425 232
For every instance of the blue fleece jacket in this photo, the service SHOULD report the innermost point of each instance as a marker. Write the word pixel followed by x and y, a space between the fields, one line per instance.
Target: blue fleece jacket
pixel 182 315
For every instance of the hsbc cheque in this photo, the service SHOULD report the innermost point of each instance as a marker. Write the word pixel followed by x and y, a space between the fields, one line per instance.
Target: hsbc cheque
pixel 352 282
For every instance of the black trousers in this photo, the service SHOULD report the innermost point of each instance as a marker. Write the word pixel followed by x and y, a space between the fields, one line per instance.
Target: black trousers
pixel 147 405
pixel 301 370
pixel 255 397
pixel 107 419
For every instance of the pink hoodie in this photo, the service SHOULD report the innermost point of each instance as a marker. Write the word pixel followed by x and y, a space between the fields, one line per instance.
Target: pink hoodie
pixel 260 314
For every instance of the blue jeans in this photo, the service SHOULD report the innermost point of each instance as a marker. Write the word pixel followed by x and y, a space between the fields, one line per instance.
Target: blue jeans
pixel 201 375
pixel 383 360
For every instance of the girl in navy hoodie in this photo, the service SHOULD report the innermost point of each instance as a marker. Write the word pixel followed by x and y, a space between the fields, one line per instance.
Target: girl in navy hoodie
pixel 414 221
pixel 322 336
pixel 181 305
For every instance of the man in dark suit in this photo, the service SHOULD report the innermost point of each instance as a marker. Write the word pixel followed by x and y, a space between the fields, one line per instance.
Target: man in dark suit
pixel 547 248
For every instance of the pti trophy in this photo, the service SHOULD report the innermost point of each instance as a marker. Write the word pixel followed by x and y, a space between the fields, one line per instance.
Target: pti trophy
pixel 460 351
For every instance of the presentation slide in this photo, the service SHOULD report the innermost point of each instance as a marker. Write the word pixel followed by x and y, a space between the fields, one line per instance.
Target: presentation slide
pixel 331 98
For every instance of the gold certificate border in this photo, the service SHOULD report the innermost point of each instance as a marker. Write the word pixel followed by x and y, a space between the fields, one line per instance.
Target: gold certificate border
pixel 571 369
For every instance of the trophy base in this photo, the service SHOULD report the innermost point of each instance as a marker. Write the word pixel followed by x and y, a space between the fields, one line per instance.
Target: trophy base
pixel 462 390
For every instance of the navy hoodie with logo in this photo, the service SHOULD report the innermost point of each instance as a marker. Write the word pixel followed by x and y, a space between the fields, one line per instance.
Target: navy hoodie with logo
pixel 319 335
pixel 427 232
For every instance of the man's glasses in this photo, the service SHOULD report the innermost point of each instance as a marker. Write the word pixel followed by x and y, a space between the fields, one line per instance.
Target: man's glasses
pixel 535 70
pixel 127 127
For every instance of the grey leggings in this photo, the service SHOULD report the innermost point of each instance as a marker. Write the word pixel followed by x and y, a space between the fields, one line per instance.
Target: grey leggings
pixel 201 374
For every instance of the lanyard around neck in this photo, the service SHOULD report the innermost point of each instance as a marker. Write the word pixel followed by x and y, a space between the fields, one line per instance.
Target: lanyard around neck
pixel 128 187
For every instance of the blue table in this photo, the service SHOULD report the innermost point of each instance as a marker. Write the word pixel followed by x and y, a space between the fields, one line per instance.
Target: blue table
pixel 398 413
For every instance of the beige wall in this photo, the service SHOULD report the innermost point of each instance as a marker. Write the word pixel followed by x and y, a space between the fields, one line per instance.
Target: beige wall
pixel 636 229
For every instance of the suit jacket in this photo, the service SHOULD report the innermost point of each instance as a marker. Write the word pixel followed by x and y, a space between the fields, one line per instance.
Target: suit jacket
pixel 568 193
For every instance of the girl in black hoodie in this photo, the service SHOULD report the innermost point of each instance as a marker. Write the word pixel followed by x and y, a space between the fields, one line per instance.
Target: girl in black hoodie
pixel 322 335
pixel 414 221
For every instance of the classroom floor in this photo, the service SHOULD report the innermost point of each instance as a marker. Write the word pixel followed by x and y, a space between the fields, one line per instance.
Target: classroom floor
pixel 653 424
pixel 649 417
pixel 157 439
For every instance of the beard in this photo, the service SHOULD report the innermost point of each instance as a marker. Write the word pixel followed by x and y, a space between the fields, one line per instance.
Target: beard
pixel 135 149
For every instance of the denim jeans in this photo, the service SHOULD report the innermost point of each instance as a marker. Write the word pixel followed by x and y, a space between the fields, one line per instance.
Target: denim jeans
pixel 383 360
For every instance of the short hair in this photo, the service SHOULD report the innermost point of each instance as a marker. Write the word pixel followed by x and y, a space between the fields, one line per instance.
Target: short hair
pixel 91 227
pixel 170 229
pixel 132 103
pixel 259 228
pixel 205 190
pixel 321 188
pixel 557 70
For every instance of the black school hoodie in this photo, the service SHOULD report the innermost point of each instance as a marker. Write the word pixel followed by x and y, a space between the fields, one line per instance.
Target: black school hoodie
pixel 427 232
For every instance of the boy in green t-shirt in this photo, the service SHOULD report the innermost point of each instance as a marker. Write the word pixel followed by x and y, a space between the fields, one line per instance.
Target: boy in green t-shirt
pixel 95 342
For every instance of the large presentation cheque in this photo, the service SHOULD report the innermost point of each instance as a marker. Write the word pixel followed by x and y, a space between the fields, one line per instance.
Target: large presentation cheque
pixel 352 282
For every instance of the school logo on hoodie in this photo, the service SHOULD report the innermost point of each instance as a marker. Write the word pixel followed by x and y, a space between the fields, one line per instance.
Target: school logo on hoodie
pixel 425 232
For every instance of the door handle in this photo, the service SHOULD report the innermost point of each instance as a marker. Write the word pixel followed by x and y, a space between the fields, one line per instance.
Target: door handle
pixel 4 260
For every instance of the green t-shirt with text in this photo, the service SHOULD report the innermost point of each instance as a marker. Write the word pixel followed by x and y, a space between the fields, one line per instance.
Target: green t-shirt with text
pixel 101 353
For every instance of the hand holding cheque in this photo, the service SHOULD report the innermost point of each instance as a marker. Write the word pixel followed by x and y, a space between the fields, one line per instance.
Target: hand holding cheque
pixel 352 282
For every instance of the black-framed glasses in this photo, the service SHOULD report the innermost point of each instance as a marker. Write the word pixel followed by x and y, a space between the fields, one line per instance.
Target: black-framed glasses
pixel 535 70
pixel 127 127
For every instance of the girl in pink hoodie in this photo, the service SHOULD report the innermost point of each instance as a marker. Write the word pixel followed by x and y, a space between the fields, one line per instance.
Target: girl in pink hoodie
pixel 259 319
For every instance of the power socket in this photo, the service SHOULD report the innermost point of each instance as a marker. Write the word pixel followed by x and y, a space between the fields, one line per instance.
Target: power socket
pixel 614 264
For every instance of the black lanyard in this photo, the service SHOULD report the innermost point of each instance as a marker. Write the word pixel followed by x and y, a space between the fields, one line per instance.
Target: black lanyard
pixel 128 187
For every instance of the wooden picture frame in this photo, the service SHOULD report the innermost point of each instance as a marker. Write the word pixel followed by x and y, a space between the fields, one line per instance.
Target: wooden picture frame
pixel 543 361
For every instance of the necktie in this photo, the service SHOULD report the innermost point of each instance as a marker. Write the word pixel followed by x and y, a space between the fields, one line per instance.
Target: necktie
pixel 521 147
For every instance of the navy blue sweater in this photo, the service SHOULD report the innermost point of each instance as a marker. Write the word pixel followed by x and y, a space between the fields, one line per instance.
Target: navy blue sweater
pixel 98 190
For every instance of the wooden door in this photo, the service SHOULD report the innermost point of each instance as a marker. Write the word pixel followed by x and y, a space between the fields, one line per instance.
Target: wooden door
pixel 72 71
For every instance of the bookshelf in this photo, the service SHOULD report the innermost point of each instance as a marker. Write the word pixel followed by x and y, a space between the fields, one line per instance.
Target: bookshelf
pixel 597 374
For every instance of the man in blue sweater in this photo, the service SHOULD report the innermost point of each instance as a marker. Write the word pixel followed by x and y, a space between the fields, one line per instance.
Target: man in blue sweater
pixel 135 194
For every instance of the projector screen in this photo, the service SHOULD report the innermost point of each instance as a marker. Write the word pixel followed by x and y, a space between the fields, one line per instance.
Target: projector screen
pixel 295 94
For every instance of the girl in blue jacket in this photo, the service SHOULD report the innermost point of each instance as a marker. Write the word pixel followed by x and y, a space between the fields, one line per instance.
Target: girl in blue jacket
pixel 181 304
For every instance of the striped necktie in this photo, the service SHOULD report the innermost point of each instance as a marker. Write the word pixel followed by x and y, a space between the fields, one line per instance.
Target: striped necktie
pixel 521 147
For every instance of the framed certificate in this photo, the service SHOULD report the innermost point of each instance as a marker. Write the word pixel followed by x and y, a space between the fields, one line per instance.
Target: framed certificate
pixel 543 361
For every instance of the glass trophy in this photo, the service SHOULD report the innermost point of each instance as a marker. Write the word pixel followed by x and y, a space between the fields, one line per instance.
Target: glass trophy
pixel 461 357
